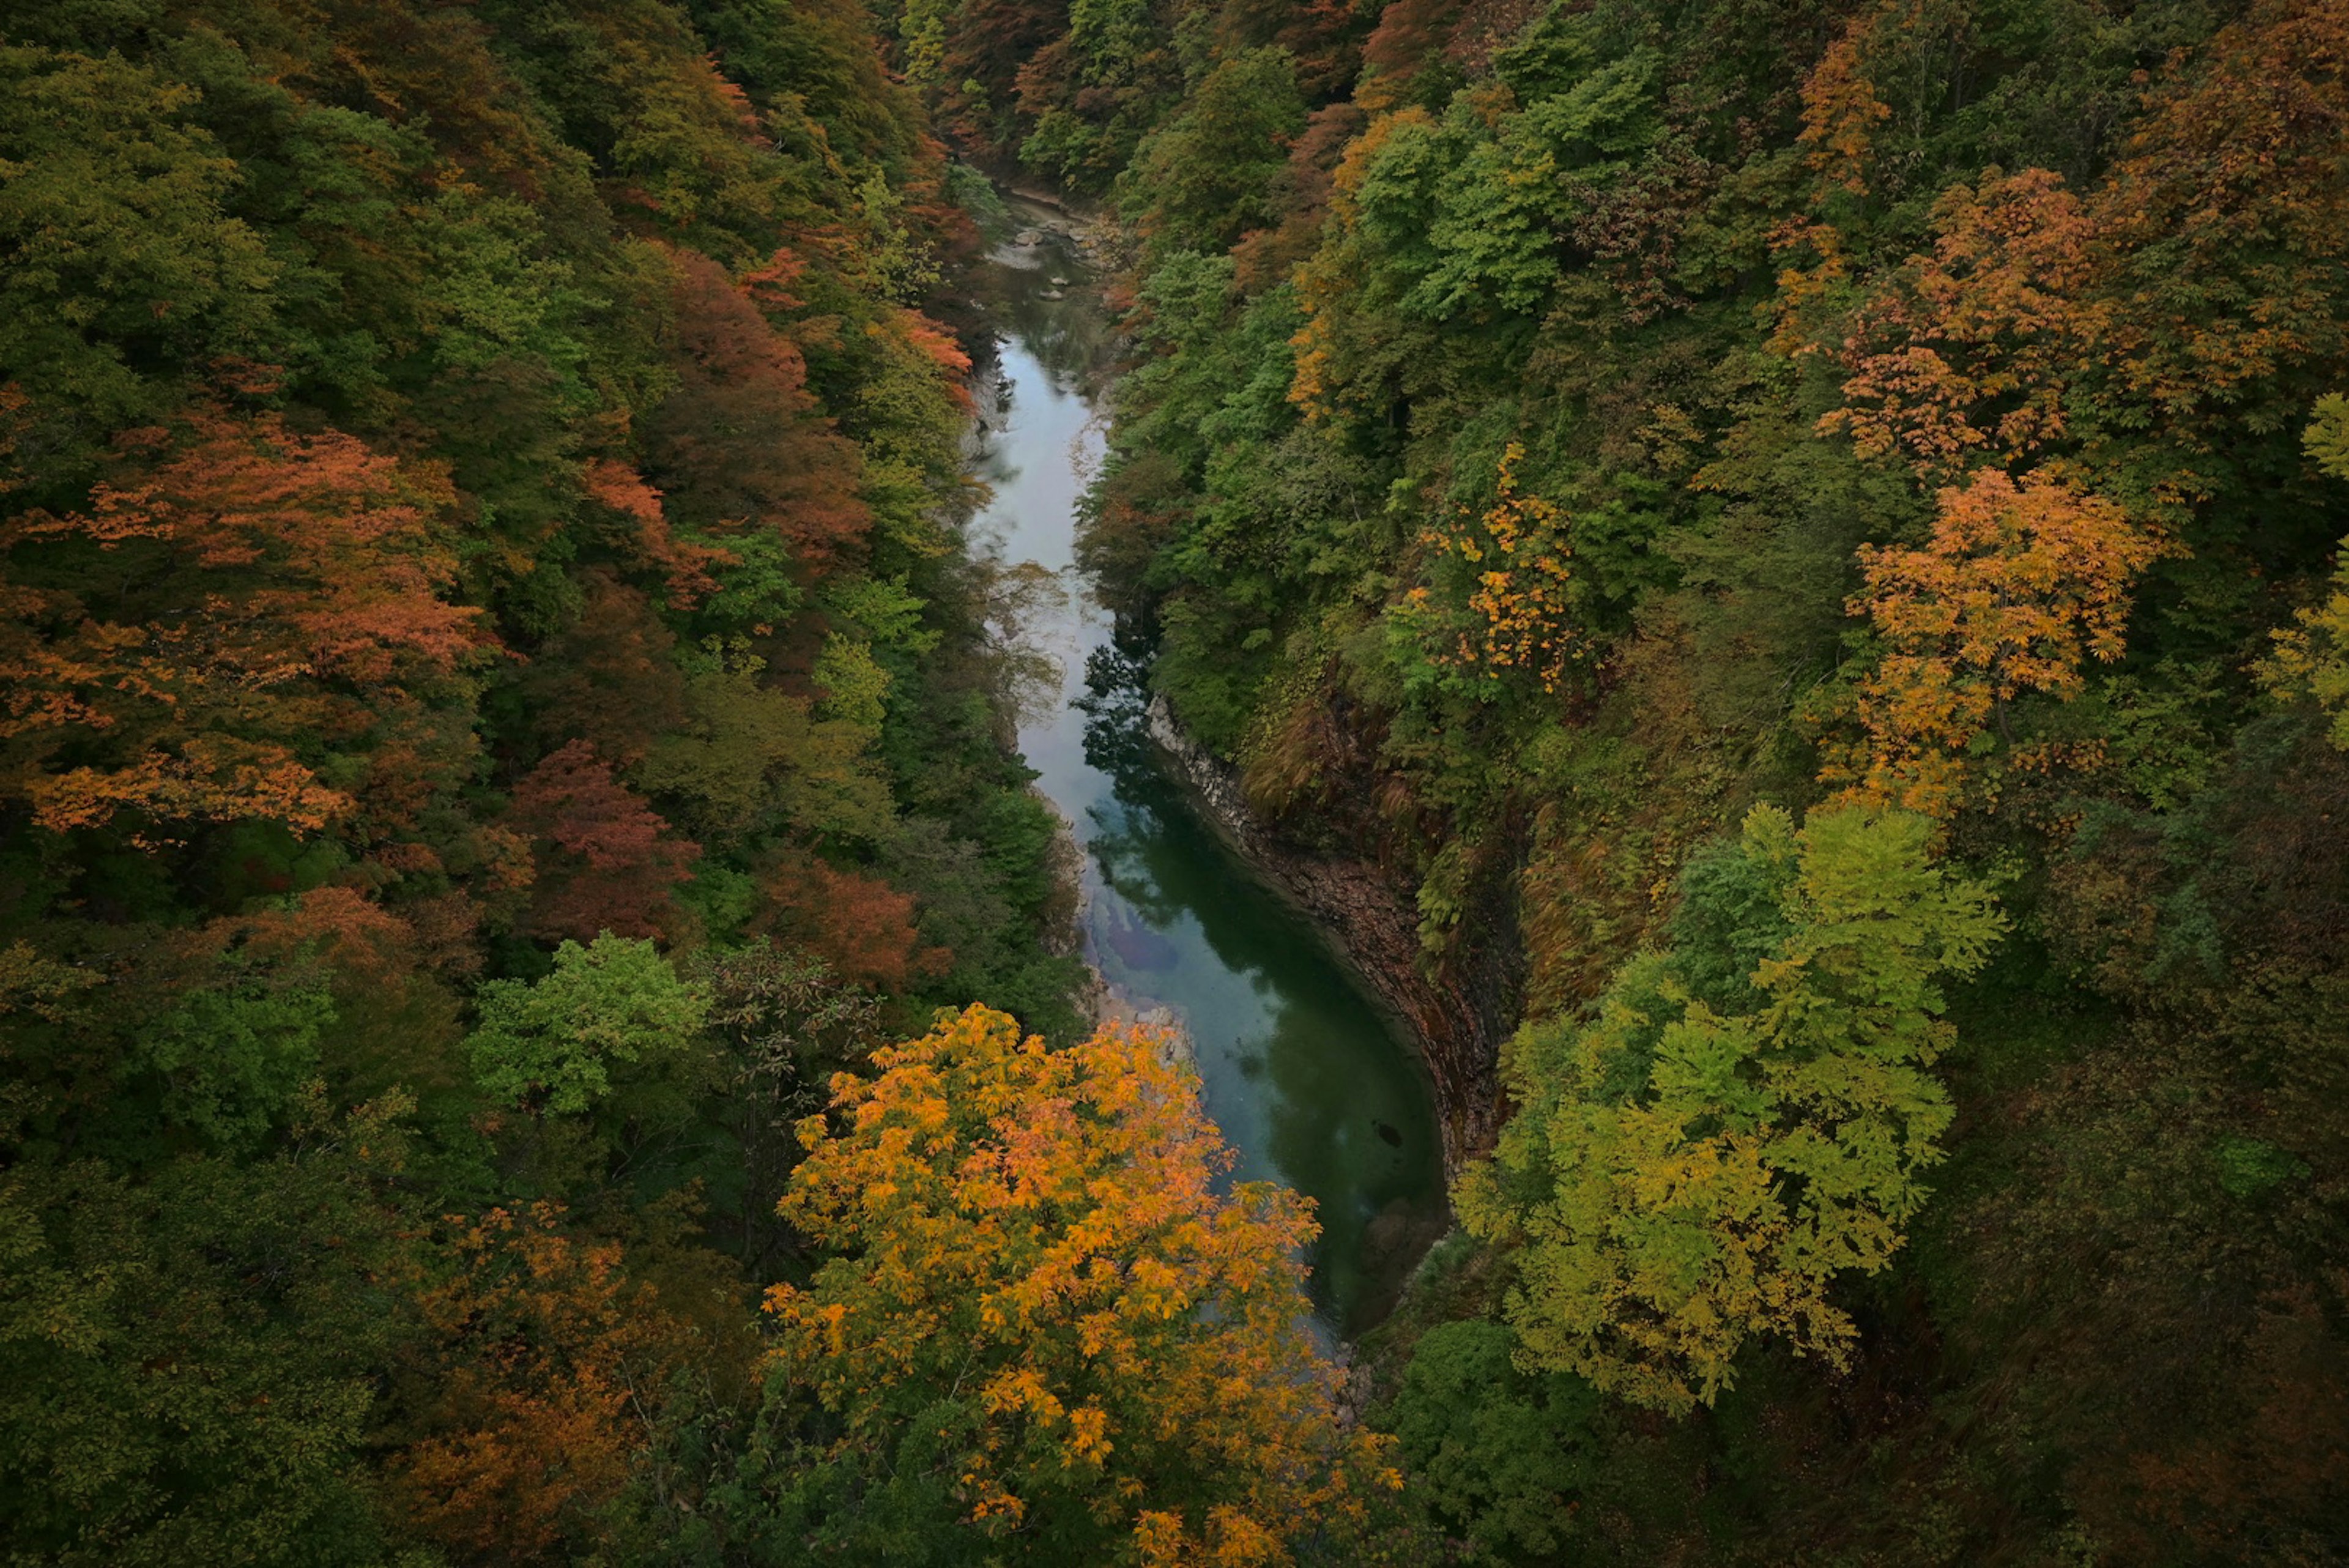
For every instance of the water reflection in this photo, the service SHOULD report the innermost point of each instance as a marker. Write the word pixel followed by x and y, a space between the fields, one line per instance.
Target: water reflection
pixel 1299 1071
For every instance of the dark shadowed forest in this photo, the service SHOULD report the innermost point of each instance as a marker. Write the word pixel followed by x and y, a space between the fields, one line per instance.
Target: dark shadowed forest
pixel 1798 547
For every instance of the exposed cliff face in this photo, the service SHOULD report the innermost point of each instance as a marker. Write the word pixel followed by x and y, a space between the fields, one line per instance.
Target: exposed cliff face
pixel 1456 1015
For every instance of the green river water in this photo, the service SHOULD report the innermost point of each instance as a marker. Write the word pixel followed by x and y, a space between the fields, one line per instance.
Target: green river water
pixel 1308 1080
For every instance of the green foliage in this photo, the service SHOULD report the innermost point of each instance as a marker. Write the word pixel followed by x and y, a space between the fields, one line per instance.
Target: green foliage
pixel 1497 1455
pixel 1675 260
pixel 114 201
pixel 1205 176
pixel 2328 435
pixel 189 1364
pixel 2247 1167
pixel 233 1062
pixel 552 1046
pixel 1679 1180
pixel 2312 657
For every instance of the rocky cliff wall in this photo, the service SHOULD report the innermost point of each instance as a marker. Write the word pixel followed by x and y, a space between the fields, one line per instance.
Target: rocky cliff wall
pixel 1456 1016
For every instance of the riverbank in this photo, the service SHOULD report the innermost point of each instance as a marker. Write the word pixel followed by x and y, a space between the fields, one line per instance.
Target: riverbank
pixel 1369 929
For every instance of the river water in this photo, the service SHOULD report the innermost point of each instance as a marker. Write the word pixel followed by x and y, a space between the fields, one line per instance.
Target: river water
pixel 1307 1081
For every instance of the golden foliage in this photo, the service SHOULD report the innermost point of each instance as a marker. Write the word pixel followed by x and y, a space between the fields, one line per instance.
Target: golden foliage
pixel 1040 1233
pixel 1517 554
pixel 2017 586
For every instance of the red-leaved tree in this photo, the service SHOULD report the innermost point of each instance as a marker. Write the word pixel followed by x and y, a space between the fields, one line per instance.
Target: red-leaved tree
pixel 607 862
pixel 739 443
pixel 239 599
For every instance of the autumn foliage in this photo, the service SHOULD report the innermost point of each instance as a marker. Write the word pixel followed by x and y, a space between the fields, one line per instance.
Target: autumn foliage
pixel 544 1370
pixel 866 930
pixel 266 593
pixel 610 863
pixel 2019 586
pixel 1036 1260
pixel 477 490
pixel 1976 349
pixel 1514 558
pixel 739 444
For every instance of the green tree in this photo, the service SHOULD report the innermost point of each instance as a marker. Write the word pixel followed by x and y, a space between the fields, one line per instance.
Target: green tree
pixel 232 1060
pixel 1497 1453
pixel 1696 1165
pixel 188 1366
pixel 122 266
pixel 552 1046
pixel 1208 175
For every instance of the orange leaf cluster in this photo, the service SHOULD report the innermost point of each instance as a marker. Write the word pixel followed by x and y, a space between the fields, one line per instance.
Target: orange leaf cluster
pixel 1041 1232
pixel 1840 114
pixel 1522 585
pixel 2017 586
pixel 547 1368
pixel 1841 109
pixel 270 590
pixel 685 565
pixel 866 930
pixel 1973 347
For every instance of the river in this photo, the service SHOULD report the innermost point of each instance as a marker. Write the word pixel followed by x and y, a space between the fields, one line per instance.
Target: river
pixel 1309 1082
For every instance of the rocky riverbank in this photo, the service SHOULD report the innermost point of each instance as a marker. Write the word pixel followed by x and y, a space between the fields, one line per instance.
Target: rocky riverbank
pixel 1455 1024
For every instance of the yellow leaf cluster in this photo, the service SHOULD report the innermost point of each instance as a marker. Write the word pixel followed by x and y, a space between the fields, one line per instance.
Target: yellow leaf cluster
pixel 1518 552
pixel 1042 1231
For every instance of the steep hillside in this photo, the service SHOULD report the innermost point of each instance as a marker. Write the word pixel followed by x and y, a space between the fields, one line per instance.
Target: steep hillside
pixel 1806 536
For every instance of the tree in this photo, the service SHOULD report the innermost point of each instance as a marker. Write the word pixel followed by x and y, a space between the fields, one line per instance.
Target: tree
pixel 189 1364
pixel 1698 1164
pixel 232 1059
pixel 1495 1452
pixel 1512 567
pixel 616 863
pixel 1042 1326
pixel 2311 659
pixel 738 445
pixel 866 929
pixel 124 265
pixel 1974 347
pixel 542 1378
pixel 786 1021
pixel 2229 212
pixel 233 604
pixel 1205 176
pixel 552 1045
pixel 2018 585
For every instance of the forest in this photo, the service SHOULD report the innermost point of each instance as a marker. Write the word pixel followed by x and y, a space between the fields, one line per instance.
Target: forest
pixel 541 1016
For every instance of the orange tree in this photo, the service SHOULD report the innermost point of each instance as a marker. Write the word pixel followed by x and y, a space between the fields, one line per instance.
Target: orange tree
pixel 1511 565
pixel 2018 587
pixel 190 648
pixel 1046 1335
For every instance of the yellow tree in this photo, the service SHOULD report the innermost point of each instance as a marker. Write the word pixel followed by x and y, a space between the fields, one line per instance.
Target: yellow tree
pixel 1514 562
pixel 2018 585
pixel 1044 1326
pixel 1748 1117
pixel 2311 659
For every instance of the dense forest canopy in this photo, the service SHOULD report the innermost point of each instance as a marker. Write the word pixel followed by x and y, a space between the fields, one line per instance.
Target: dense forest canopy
pixel 1802 545
pixel 1805 538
